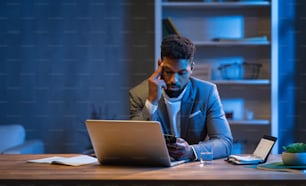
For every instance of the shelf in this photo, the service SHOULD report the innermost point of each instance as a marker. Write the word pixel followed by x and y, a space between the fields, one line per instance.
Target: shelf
pixel 238 31
pixel 242 82
pixel 231 5
pixel 249 122
pixel 231 43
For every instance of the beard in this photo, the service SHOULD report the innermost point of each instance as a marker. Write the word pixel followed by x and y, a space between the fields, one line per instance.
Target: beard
pixel 173 90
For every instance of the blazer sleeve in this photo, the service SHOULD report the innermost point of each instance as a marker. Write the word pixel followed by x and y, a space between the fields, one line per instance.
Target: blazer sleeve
pixel 218 129
pixel 137 98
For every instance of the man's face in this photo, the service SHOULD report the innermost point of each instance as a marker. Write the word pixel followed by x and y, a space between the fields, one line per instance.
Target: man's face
pixel 176 74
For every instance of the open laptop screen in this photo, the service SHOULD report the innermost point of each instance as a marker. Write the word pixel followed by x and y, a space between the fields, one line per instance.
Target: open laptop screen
pixel 129 142
pixel 264 147
pixel 262 150
pixel 260 154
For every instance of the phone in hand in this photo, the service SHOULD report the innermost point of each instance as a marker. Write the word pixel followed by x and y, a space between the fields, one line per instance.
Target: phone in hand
pixel 170 138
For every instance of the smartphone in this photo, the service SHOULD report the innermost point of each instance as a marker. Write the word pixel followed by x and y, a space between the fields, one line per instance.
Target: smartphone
pixel 170 138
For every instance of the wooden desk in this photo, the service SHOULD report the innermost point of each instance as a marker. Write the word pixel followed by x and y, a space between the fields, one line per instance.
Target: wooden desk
pixel 14 170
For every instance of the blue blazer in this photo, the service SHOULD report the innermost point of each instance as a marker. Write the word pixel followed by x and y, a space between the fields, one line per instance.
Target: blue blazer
pixel 203 121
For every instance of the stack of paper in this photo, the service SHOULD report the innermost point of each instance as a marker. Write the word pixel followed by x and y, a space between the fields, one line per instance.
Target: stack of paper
pixel 73 161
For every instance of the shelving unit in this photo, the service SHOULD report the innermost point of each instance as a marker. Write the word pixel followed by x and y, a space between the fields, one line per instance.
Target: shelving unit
pixel 252 122
pixel 229 43
pixel 242 82
pixel 203 22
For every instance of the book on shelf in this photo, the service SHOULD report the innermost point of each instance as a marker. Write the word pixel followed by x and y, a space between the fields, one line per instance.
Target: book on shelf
pixel 169 27
pixel 202 71
pixel 243 39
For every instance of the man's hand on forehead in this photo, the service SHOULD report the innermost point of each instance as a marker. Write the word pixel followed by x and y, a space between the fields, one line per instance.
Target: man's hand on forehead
pixel 156 83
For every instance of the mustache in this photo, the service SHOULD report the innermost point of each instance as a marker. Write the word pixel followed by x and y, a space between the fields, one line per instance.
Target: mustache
pixel 173 85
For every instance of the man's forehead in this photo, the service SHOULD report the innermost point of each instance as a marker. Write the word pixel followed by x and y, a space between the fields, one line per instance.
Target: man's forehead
pixel 176 65
pixel 175 62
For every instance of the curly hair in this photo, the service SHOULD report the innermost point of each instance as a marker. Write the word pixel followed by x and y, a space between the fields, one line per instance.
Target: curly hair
pixel 177 47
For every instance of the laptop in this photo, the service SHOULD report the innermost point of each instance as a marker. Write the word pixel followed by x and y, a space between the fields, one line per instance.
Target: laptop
pixel 129 142
pixel 260 154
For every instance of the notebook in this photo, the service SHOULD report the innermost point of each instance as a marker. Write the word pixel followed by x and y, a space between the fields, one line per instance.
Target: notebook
pixel 129 142
pixel 260 154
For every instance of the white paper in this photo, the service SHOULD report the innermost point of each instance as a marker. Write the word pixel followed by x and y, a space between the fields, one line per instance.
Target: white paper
pixel 73 161
pixel 245 158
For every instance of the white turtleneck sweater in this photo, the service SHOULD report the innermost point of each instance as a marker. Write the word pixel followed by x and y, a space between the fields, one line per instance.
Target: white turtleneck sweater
pixel 174 111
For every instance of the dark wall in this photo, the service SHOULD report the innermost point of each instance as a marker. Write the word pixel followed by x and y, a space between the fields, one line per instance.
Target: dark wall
pixel 140 40
pixel 286 73
pixel 300 77
pixel 63 60
pixel 292 72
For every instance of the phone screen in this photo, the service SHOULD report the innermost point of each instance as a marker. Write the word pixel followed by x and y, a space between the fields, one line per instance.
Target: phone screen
pixel 170 138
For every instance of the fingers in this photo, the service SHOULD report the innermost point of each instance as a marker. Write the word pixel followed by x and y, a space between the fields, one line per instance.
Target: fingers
pixel 180 150
pixel 176 146
pixel 180 140
pixel 157 76
pixel 157 73
pixel 156 83
pixel 172 146
pixel 175 150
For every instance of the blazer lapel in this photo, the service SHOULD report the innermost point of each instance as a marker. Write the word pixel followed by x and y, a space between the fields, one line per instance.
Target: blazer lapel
pixel 163 116
pixel 186 109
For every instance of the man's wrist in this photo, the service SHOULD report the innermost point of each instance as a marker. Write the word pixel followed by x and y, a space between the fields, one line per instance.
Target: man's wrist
pixel 194 156
pixel 151 107
pixel 152 101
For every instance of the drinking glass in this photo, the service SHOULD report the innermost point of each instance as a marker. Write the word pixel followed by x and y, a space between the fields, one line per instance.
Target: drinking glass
pixel 206 156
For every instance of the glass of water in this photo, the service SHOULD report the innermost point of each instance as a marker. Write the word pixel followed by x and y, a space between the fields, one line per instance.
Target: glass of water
pixel 206 155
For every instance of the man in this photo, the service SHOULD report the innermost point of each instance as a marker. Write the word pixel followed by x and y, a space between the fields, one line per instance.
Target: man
pixel 186 107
